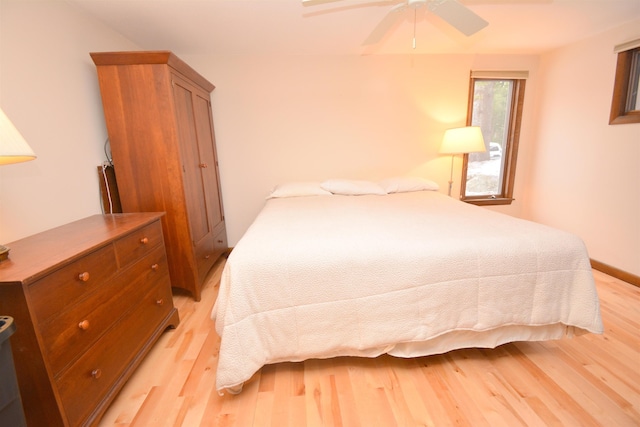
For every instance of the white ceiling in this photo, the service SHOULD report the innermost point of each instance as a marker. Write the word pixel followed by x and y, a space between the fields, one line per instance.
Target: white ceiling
pixel 286 27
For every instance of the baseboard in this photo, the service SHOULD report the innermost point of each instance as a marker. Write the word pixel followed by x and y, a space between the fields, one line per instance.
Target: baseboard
pixel 616 272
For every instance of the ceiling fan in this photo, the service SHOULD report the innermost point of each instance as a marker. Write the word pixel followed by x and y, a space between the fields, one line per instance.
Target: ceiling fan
pixel 456 14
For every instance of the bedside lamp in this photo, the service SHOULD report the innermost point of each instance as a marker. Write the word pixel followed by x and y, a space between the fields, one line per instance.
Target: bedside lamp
pixel 13 149
pixel 462 140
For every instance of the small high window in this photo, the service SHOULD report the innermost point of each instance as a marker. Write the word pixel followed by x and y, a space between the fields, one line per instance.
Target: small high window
pixel 495 104
pixel 625 105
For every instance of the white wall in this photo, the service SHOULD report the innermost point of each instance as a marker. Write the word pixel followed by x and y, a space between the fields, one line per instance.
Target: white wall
pixel 49 90
pixel 290 118
pixel 586 174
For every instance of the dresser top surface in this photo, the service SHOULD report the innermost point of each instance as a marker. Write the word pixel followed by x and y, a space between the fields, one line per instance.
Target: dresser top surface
pixel 33 256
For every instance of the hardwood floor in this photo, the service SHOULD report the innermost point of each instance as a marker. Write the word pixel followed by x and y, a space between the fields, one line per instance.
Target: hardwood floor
pixel 591 380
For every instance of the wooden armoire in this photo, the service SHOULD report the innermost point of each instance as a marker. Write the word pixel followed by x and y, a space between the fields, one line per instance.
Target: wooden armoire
pixel 160 126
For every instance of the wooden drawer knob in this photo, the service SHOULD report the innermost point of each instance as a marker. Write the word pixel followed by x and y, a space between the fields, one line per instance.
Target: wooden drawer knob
pixel 207 256
pixel 204 165
pixel 83 277
pixel 160 301
pixel 84 325
pixel 144 240
pixel 96 373
pixel 155 267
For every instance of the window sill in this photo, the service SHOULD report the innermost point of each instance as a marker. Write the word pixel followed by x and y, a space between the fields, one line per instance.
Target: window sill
pixel 618 118
pixel 486 201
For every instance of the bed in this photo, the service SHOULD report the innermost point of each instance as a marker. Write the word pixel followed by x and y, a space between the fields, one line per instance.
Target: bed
pixel 357 268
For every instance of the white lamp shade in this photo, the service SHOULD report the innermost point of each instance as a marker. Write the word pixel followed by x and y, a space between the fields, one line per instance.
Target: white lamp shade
pixel 13 147
pixel 467 139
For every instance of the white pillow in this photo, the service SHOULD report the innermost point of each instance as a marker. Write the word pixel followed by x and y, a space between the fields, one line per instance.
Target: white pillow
pixel 349 187
pixel 298 189
pixel 402 184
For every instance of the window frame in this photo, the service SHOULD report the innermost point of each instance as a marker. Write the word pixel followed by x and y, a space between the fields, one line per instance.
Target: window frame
pixel 619 114
pixel 512 141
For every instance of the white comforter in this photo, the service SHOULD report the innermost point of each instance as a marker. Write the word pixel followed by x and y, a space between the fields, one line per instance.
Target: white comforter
pixel 407 274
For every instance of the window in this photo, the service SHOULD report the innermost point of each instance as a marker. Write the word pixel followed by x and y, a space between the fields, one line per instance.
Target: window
pixel 625 105
pixel 495 104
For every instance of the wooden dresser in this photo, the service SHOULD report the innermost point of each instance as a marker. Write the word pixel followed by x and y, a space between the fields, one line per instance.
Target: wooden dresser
pixel 158 115
pixel 89 299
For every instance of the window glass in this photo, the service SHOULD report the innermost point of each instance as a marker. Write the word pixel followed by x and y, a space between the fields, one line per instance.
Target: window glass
pixel 491 111
pixel 633 100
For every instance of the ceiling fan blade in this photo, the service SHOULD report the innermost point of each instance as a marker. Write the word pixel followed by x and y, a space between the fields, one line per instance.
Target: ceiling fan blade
pixel 350 6
pixel 390 19
pixel 458 15
pixel 315 2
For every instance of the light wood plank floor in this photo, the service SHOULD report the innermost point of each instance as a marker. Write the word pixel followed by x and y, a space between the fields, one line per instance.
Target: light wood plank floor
pixel 591 380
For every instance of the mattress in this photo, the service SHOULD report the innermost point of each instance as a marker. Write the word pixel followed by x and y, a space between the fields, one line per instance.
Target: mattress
pixel 409 274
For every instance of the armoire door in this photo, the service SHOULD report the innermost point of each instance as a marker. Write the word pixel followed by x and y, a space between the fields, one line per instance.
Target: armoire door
pixel 194 167
pixel 209 165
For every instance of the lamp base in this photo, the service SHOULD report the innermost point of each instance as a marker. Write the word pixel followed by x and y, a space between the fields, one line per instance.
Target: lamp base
pixel 4 253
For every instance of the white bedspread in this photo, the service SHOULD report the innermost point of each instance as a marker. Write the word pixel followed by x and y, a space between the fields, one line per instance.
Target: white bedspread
pixel 407 274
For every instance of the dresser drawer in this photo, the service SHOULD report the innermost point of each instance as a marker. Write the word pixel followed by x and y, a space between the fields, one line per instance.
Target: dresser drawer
pixel 72 283
pixel 220 242
pixel 208 252
pixel 138 243
pixel 71 333
pixel 205 257
pixel 83 386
